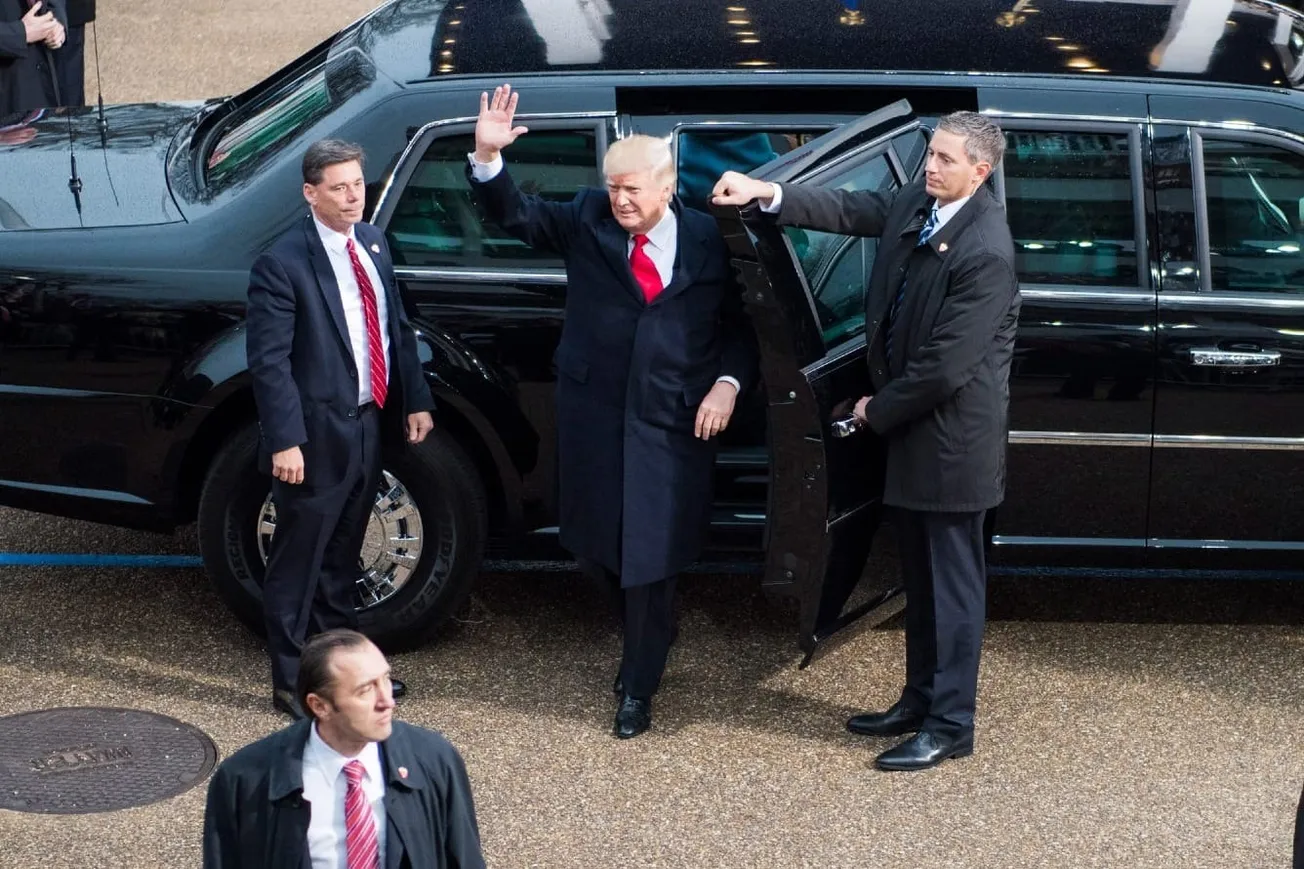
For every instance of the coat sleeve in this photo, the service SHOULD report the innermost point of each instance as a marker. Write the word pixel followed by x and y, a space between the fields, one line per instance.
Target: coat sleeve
pixel 966 327
pixel 221 838
pixel 269 337
pixel 13 39
pixel 538 222
pixel 417 397
pixel 846 212
pixel 461 832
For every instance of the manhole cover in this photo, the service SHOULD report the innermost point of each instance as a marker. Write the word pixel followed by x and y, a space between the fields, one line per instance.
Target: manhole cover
pixel 88 759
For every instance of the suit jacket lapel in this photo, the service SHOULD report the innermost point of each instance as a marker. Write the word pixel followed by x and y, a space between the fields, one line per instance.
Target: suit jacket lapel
pixel 613 240
pixel 690 254
pixel 330 288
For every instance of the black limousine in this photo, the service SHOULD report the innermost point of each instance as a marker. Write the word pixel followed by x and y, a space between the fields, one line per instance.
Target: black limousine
pixel 1154 182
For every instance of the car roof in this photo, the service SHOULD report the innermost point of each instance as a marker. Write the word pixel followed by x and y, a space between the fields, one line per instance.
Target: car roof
pixel 1247 42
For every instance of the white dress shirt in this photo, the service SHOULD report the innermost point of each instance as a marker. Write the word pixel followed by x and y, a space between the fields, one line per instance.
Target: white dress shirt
pixel 662 239
pixel 944 214
pixel 324 787
pixel 351 297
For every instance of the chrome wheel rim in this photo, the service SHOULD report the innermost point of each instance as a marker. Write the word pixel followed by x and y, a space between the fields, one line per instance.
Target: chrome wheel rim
pixel 391 546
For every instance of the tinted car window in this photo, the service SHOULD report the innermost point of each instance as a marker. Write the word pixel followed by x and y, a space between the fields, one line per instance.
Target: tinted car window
pixel 1069 200
pixel 1255 196
pixel 436 222
pixel 837 267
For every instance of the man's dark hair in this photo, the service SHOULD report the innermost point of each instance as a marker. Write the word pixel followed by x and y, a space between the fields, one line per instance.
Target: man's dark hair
pixel 315 662
pixel 328 152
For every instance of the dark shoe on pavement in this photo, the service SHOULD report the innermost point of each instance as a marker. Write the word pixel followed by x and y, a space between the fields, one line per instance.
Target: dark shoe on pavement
pixel 924 750
pixel 896 721
pixel 634 717
pixel 285 701
pixel 397 687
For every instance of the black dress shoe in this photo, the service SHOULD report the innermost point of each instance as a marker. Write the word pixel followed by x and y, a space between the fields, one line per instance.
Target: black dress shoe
pixel 896 721
pixel 398 688
pixel 924 750
pixel 285 701
pixel 634 717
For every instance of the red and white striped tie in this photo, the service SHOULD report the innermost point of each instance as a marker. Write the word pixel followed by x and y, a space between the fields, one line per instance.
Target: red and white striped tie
pixel 362 846
pixel 379 376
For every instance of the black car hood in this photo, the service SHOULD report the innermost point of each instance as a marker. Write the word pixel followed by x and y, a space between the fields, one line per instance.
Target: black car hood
pixel 122 177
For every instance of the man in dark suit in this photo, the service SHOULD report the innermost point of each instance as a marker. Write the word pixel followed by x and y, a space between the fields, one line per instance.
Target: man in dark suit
pixel 653 353
pixel 942 310
pixel 352 787
pixel 335 373
pixel 70 58
pixel 29 31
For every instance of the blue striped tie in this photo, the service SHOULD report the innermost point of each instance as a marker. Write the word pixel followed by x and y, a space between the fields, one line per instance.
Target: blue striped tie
pixel 924 235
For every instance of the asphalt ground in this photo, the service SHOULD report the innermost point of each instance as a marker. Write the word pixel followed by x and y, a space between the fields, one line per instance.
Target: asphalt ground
pixel 1122 723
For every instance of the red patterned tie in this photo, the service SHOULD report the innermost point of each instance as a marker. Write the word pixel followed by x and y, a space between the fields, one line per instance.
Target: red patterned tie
pixel 362 846
pixel 644 271
pixel 379 376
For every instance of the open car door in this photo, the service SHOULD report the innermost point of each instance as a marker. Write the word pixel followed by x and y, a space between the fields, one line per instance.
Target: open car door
pixel 805 294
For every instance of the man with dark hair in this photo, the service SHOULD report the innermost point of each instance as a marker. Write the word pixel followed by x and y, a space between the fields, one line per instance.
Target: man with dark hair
pixel 350 788
pixel 942 309
pixel 335 372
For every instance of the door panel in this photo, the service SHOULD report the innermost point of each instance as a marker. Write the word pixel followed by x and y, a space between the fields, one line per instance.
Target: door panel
pixel 1230 399
pixel 805 295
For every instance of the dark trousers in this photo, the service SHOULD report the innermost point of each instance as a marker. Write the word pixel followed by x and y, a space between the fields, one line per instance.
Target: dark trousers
pixel 647 615
pixel 945 575
pixel 313 564
pixel 1297 861
pixel 70 68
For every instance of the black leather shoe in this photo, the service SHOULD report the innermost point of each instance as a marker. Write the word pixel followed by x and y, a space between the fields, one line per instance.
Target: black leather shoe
pixel 398 688
pixel 633 718
pixel 924 750
pixel 896 721
pixel 285 701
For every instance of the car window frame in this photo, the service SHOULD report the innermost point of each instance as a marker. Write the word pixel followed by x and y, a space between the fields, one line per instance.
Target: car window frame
pixel 1199 191
pixel 1136 161
pixel 601 124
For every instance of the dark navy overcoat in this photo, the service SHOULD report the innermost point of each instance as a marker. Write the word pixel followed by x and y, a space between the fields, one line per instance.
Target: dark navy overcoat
pixel 634 483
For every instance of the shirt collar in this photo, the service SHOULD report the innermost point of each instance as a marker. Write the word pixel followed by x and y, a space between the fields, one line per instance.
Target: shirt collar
pixel 663 234
pixel 330 761
pixel 946 212
pixel 335 242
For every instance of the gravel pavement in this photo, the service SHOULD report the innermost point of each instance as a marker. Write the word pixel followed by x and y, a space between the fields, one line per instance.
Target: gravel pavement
pixel 1121 724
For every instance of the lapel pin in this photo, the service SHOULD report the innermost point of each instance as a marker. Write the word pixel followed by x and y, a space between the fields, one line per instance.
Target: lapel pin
pixel 402 772
pixel 375 248
pixel 942 247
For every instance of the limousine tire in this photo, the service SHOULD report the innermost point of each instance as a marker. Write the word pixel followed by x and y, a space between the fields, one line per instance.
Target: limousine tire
pixel 431 499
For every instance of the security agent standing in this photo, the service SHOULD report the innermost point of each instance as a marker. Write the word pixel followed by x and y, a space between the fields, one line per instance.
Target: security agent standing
pixel 942 310
pixel 653 353
pixel 335 374
pixel 28 33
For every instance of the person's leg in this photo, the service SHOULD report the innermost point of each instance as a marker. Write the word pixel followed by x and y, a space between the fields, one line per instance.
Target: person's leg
pixel 335 605
pixel 70 68
pixel 649 630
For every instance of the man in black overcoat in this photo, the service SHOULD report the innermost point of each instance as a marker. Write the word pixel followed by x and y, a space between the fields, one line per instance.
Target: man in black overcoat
pixel 654 350
pixel 942 309
pixel 28 35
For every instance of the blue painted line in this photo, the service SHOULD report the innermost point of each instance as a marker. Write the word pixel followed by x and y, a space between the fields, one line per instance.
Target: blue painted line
pixel 78 559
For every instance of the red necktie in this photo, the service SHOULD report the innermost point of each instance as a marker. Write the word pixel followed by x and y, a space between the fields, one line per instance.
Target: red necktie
pixel 361 844
pixel 379 376
pixel 644 271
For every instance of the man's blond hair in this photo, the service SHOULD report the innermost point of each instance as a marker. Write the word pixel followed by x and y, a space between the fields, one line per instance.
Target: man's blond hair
pixel 640 153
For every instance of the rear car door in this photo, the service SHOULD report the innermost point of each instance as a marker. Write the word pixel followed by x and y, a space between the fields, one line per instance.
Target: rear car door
pixel 804 292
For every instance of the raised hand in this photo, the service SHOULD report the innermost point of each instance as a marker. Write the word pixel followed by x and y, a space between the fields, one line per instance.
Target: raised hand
pixel 493 129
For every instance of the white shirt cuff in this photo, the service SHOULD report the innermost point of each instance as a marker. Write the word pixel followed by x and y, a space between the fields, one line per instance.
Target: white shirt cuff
pixel 733 381
pixel 485 171
pixel 776 203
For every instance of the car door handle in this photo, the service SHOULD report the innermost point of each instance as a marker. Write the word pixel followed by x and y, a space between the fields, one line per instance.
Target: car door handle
pixel 846 426
pixel 1212 356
